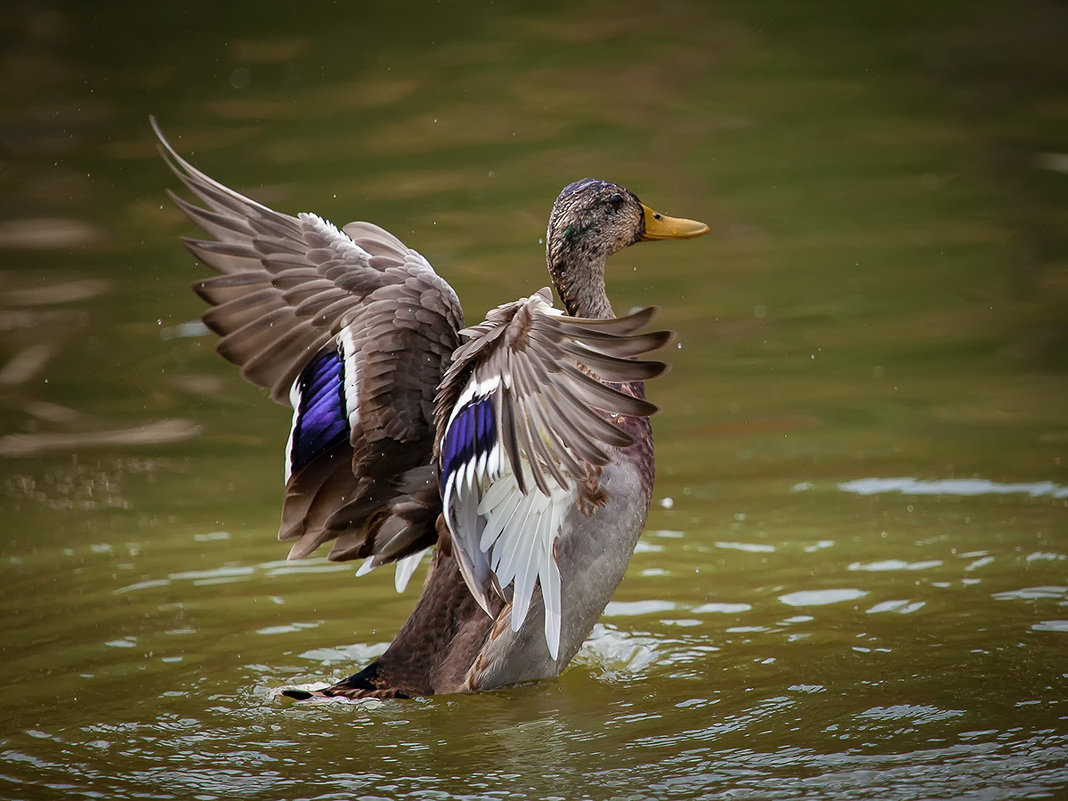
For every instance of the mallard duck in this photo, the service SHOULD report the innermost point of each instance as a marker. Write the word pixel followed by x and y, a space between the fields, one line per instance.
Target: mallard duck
pixel 519 450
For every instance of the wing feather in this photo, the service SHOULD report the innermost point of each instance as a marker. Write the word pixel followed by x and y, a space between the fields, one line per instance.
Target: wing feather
pixel 557 387
pixel 298 302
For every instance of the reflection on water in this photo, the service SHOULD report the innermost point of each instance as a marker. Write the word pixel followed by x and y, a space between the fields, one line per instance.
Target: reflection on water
pixel 46 234
pixel 853 584
pixel 151 433
pixel 952 486
pixel 821 597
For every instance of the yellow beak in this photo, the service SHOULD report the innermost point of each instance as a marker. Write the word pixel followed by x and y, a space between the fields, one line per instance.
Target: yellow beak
pixel 660 226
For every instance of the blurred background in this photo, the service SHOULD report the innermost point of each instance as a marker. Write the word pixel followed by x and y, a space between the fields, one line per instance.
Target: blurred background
pixel 853 582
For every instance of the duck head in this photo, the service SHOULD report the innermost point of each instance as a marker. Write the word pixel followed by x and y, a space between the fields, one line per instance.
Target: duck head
pixel 590 221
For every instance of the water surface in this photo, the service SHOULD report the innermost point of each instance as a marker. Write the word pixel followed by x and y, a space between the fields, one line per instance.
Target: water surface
pixel 854 581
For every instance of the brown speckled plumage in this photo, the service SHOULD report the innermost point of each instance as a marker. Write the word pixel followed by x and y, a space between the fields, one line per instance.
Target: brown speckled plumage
pixel 529 430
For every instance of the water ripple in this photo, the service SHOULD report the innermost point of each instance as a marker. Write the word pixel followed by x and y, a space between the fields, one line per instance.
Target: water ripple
pixel 821 597
pixel 951 486
pixel 895 564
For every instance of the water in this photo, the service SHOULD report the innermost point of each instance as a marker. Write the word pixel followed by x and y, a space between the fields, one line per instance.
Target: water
pixel 854 582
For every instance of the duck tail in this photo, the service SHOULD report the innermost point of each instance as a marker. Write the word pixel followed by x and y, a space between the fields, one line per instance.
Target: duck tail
pixel 368 683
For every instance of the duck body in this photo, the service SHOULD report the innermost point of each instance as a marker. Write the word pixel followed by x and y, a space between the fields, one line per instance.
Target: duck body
pixel 593 553
pixel 518 450
pixel 449 644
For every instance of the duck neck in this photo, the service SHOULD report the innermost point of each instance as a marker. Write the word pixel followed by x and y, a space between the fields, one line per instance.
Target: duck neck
pixel 578 276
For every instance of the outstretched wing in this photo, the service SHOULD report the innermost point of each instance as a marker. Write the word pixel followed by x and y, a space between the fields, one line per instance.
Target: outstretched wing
pixel 355 331
pixel 528 409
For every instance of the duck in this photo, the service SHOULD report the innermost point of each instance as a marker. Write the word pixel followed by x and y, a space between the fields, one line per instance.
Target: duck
pixel 516 452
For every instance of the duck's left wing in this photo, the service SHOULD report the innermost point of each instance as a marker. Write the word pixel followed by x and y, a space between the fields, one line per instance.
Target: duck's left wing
pixel 354 330
pixel 526 415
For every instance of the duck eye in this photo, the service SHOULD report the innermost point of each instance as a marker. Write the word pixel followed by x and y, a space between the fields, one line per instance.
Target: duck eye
pixel 616 201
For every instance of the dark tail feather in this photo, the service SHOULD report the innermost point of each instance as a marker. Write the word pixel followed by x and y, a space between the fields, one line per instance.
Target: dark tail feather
pixel 365 684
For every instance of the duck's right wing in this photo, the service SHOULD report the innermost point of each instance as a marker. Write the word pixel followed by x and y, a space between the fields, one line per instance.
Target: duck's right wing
pixel 354 330
pixel 532 406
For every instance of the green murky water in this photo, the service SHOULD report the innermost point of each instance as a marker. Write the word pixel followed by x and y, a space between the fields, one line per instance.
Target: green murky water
pixel 854 582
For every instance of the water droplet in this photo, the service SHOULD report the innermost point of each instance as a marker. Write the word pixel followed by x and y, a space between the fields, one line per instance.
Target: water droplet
pixel 240 77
